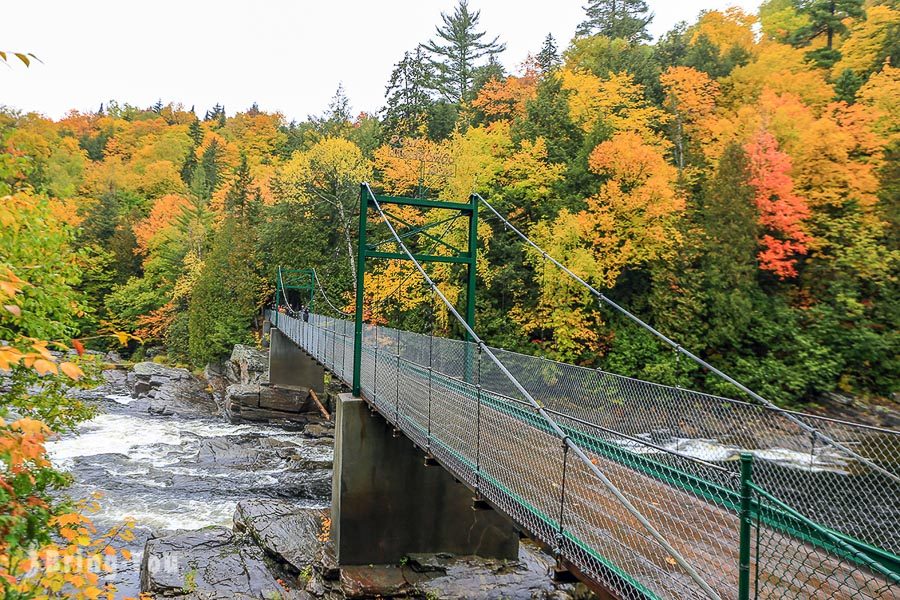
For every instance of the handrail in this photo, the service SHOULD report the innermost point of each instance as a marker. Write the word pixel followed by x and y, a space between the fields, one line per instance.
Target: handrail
pixel 827 533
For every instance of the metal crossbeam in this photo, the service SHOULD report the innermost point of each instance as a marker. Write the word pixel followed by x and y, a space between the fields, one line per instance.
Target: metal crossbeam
pixel 421 229
pixel 367 200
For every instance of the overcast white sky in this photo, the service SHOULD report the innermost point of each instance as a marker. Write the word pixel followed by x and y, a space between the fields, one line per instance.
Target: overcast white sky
pixel 285 55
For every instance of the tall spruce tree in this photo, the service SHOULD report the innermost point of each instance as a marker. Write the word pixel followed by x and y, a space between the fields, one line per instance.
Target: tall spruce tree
pixel 229 289
pixel 458 51
pixel 336 120
pixel 627 19
pixel 728 218
pixel 215 113
pixel 408 95
pixel 547 117
pixel 195 132
pixel 548 57
pixel 241 194
pixel 209 162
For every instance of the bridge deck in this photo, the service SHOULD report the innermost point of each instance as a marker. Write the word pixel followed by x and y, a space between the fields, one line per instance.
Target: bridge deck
pixel 500 447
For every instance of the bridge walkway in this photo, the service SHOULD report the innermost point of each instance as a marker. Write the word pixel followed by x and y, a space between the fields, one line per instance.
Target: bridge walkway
pixel 672 453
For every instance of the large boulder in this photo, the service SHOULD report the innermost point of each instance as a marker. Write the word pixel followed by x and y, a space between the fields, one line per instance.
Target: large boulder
pixel 170 390
pixel 256 452
pixel 207 564
pixel 249 365
pixel 255 402
pixel 146 370
pixel 291 535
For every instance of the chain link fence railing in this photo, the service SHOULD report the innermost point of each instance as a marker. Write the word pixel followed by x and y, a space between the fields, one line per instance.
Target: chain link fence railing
pixel 823 523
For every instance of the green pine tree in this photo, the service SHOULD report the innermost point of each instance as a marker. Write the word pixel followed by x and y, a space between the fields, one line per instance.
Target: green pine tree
pixel 826 18
pixel 728 218
pixel 229 291
pixel 408 95
pixel 337 119
pixel 627 19
pixel 847 85
pixel 548 56
pixel 209 162
pixel 457 52
pixel 548 117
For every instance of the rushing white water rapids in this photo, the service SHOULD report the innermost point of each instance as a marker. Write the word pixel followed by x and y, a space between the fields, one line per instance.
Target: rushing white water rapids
pixel 158 458
pixel 183 472
pixel 824 459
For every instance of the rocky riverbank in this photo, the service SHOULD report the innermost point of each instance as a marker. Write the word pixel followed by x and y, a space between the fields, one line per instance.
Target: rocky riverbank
pixel 277 550
pixel 234 503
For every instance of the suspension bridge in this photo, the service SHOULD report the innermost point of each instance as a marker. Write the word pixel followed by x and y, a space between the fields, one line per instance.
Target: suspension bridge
pixel 641 490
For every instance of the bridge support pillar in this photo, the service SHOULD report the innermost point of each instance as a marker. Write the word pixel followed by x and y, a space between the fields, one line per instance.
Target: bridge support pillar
pixel 291 366
pixel 386 503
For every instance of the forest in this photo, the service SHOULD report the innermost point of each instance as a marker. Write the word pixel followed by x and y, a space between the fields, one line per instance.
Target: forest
pixel 734 183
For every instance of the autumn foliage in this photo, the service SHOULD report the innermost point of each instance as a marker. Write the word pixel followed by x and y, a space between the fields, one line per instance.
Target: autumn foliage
pixel 733 182
pixel 781 211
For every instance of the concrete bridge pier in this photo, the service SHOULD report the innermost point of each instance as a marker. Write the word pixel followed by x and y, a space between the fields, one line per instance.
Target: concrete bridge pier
pixel 290 365
pixel 386 503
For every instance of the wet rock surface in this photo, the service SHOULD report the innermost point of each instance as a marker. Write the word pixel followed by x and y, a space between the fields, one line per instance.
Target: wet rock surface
pixel 291 535
pixel 445 576
pixel 207 563
pixel 168 391
pixel 249 365
pixel 267 403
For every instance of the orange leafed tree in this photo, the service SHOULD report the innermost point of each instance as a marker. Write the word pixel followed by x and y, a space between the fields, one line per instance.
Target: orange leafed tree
pixel 637 208
pixel 781 211
pixel 163 213
pixel 506 99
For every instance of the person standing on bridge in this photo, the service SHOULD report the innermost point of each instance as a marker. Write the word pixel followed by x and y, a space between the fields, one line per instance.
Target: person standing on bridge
pixel 306 314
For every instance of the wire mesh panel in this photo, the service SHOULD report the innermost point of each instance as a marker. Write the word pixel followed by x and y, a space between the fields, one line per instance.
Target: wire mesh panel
pixel 669 457
pixel 823 567
pixel 816 478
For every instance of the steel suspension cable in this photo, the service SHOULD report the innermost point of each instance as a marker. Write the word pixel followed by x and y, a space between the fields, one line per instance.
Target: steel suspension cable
pixel 281 284
pixel 325 296
pixel 681 350
pixel 554 426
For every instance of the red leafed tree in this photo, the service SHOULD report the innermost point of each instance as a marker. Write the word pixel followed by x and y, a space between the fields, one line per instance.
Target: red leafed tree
pixel 781 211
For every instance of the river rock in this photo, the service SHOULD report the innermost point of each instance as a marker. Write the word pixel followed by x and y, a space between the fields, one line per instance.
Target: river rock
pixel 375 581
pixel 292 535
pixel 484 579
pixel 172 390
pixel 150 369
pixel 255 402
pixel 319 430
pixel 247 452
pixel 250 365
pixel 207 564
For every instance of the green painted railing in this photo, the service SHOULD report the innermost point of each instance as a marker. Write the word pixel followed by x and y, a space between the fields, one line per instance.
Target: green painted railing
pixel 768 529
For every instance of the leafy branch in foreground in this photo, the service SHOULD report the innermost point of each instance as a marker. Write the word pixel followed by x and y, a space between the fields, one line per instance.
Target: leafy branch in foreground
pixel 24 57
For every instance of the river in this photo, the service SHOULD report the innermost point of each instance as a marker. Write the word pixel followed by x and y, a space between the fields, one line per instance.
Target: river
pixel 182 471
